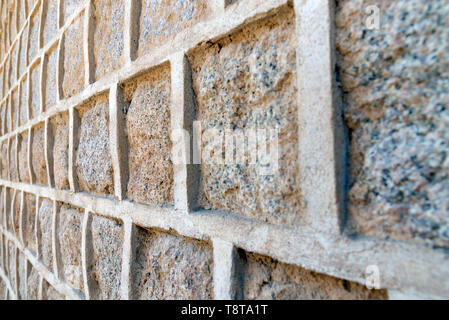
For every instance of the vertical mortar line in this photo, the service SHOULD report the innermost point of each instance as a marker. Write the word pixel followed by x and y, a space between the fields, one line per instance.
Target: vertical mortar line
pixel 40 289
pixel 29 151
pixel 16 155
pixel 86 254
pixel 57 265
pixel 25 276
pixel 88 31
pixel 114 140
pixel 49 152
pixel 42 80
pixel 73 134
pixel 16 271
pixel 36 228
pixel 224 257
pixel 317 120
pixel 8 158
pixel 129 31
pixel 59 68
pixel 127 259
pixel 182 113
pixel 60 22
pixel 40 39
pixel 11 213
pixel 21 217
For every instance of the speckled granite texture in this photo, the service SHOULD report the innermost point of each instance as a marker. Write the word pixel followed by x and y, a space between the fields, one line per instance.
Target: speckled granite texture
pixel 247 82
pixel 395 85
pixel 60 131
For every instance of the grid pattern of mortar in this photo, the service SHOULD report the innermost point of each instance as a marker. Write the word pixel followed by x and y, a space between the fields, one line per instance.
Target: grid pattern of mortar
pixel 316 242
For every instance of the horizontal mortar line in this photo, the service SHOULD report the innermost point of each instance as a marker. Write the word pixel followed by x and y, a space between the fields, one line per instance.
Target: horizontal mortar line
pixel 60 285
pixel 43 51
pixel 340 256
pixel 27 20
pixel 153 58
pixel 8 283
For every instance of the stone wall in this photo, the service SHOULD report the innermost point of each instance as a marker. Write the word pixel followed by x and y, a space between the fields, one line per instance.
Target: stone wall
pixel 95 204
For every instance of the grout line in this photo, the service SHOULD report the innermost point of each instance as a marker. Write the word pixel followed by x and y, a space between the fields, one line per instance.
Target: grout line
pixel 127 259
pixel 223 267
pixel 86 256
pixel 57 263
pixel 73 133
pixel 88 30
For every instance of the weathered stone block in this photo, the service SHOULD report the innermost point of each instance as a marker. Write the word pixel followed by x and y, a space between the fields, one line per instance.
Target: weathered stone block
pixel 44 232
pixel 29 220
pixel 160 21
pixel 245 85
pixel 23 106
pixel 38 155
pixel 33 284
pixel 267 279
pixel 148 130
pixel 24 173
pixel 73 58
pixel 4 159
pixel 108 36
pixel 35 91
pixel 13 172
pixel 50 69
pixel 23 61
pixel 68 7
pixel 107 238
pixel 50 20
pixel 34 37
pixel 396 101
pixel 93 156
pixel 60 131
pixel 16 213
pixel 168 266
pixel 69 237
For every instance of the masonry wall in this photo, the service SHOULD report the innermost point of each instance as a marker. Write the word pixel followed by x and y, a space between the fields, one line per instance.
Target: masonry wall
pixel 95 205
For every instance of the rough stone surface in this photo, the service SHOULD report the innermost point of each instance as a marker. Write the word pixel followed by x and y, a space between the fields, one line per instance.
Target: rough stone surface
pixel 107 237
pixel 247 81
pixel 34 36
pixel 73 78
pixel 23 109
pixel 15 108
pixel 16 213
pixel 161 20
pixel 4 159
pixel 60 130
pixel 33 284
pixel 50 20
pixel 23 63
pixel 168 266
pixel 12 161
pixel 44 232
pixel 2 290
pixel 148 130
pixel 29 226
pixel 35 91
pixel 108 37
pixel 14 58
pixel 24 173
pixel 267 279
pixel 93 157
pixel 69 229
pixel 38 155
pixel 12 264
pixel 395 84
pixel 50 77
pixel 68 7
pixel 21 267
pixel 51 293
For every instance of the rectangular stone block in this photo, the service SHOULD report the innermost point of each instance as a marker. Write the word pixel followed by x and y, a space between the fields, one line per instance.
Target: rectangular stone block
pixel 50 20
pixel 147 106
pixel 23 105
pixel 35 86
pixel 73 59
pixel 60 131
pixel 395 98
pixel 3 118
pixel 246 97
pixel 109 21
pixel 268 279
pixel 68 7
pixel 106 267
pixel 29 212
pixel 93 155
pixel 38 163
pixel 33 284
pixel 22 149
pixel 13 170
pixel 33 44
pixel 12 23
pixel 69 237
pixel 169 266
pixel 4 159
pixel 44 233
pixel 160 21
pixel 16 213
pixel 50 70
pixel 23 57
